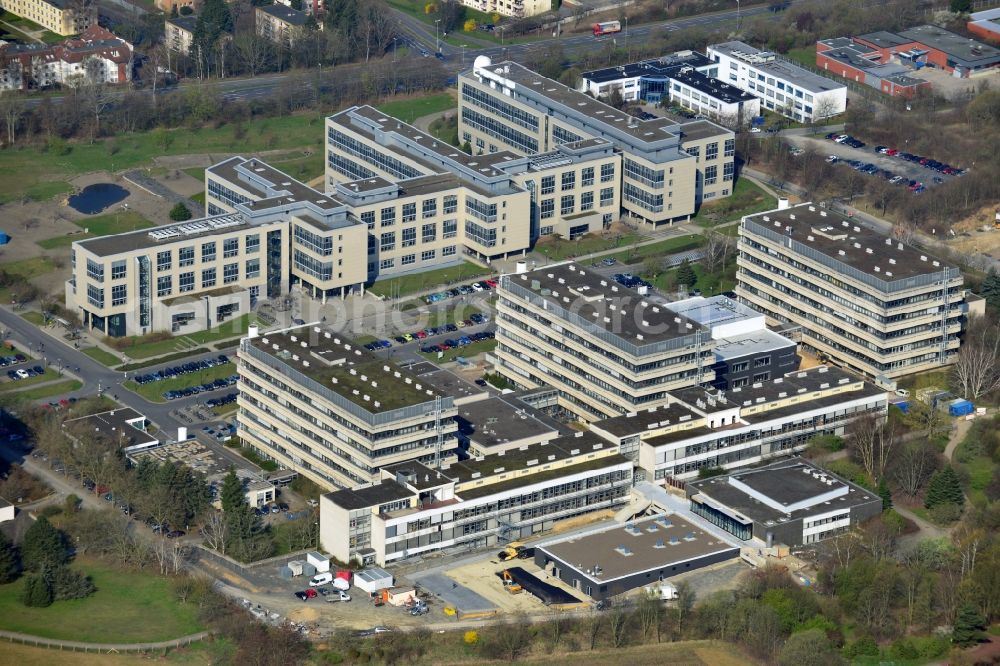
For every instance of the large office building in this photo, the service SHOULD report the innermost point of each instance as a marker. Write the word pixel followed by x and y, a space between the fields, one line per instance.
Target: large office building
pixel 667 168
pixel 791 502
pixel 59 16
pixel 865 301
pixel 685 78
pixel 605 348
pixel 319 404
pixel 414 509
pixel 706 428
pixel 782 87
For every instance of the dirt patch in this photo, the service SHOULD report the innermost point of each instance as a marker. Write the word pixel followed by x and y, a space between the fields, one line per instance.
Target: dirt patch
pixel 304 615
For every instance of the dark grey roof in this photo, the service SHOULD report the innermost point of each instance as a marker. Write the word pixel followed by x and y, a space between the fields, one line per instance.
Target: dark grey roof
pixel 286 14
pixel 884 39
pixel 382 492
pixel 639 422
pixel 715 88
pixel 187 23
pixel 497 421
pixel 668 65
pixel 962 49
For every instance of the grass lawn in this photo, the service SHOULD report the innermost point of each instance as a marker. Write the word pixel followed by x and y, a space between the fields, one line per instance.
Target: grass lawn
pixel 35 318
pixel 46 191
pixel 557 249
pixel 144 349
pixel 249 454
pixel 198 173
pixel 980 471
pixel 409 284
pixel 747 198
pixel 102 356
pixel 29 268
pixel 198 198
pixel 153 391
pixel 51 390
pixel 128 607
pixel 230 329
pixel 11 385
pixel 466 352
pixel 803 56
pixel 668 246
pixel 410 109
pixel 61 241
pixel 303 168
pixel 706 283
pixel 113 223
pixel 196 654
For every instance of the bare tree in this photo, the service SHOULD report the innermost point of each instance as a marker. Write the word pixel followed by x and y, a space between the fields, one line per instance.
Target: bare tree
pixel 511 637
pixel 216 531
pixel 253 52
pixel 593 624
pixel 12 111
pixel 650 611
pixel 716 252
pixel 913 466
pixel 621 613
pixel 870 440
pixel 977 370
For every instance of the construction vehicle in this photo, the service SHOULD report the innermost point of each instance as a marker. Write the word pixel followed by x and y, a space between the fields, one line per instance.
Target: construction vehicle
pixel 511 551
pixel 996 221
pixel 509 584
pixel 378 598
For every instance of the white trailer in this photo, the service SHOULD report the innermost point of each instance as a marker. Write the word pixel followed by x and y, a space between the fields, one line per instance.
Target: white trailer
pixel 318 560
pixel 373 580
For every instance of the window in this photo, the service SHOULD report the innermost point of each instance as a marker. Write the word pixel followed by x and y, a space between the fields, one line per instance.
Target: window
pixel 208 251
pixel 727 170
pixel 742 366
pixel 567 204
pixel 762 362
pixel 388 242
pixel 409 212
pixel 252 268
pixel 486 236
pixel 607 172
pixel 119 294
pixel 386 263
pixel 429 208
pixel 95 271
pixel 118 270
pixel 450 204
pixel 409 259
pixel 694 151
pixel 164 285
pixel 368 217
pixel 712 150
pixel 428 255
pixel 448 251
pixel 185 256
pixel 587 177
pixel 568 180
pixel 95 296
pixel 319 244
pixel 450 229
pixel 479 209
pixel 587 201
pixel 388 217
pixel 607 196
pixel 761 377
pixel 207 278
pixel 185 282
pixel 548 184
pixel 547 208
pixel 230 273
pixel 711 175
pixel 368 152
pixel 253 243
pixel 321 270
pixel 730 148
pixel 409 237
pixel 230 248
pixel 643 174
pixel 164 260
pixel 428 233
pixel 545 231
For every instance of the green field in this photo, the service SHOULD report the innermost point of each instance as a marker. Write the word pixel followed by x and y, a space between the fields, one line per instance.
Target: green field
pixel 28 268
pixel 128 607
pixel 409 284
pixel 46 191
pixel 409 110
pixel 747 198
pixel 557 249
pixel 51 390
pixel 35 318
pixel 467 351
pixel 99 225
pixel 668 246
pixel 140 348
pixel 805 55
pixel 102 356
pixel 153 391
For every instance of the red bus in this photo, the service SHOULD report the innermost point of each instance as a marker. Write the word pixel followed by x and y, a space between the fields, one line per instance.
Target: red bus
pixel 607 28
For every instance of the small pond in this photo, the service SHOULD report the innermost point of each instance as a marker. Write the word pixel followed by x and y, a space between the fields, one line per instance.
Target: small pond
pixel 95 198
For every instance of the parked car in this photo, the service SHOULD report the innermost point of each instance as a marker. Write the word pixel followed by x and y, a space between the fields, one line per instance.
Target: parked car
pixel 321 579
pixel 339 595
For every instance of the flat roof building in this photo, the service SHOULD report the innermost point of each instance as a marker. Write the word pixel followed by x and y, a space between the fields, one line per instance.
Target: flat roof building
pixel 782 86
pixel 124 427
pixel 792 502
pixel 60 16
pixel 985 24
pixel 619 559
pixel 860 63
pixel 864 300
pixel 605 348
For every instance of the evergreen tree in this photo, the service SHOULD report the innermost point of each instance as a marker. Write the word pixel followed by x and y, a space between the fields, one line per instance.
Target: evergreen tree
pixel 885 494
pixel 686 274
pixel 10 566
pixel 969 626
pixel 65 583
pixel 180 213
pixel 36 592
pixel 991 288
pixel 232 495
pixel 43 546
pixel 961 6
pixel 173 12
pixel 944 488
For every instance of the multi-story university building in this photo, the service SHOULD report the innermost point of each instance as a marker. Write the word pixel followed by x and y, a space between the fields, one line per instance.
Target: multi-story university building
pixel 668 168
pixel 96 56
pixel 782 87
pixel 59 16
pixel 606 349
pixel 323 406
pixel 707 428
pixel 864 300
pixel 414 509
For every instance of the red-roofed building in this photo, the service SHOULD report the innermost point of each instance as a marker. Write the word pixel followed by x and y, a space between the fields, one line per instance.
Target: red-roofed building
pixel 96 55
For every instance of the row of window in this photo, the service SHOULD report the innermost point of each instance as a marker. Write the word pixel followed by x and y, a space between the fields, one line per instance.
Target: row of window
pixel 408 259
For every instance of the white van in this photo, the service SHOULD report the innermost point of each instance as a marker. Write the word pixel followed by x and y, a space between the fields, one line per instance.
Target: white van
pixel 321 579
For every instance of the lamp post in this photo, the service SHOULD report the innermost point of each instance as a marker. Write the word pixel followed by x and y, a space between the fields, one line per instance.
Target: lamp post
pixel 738 16
pixel 437 37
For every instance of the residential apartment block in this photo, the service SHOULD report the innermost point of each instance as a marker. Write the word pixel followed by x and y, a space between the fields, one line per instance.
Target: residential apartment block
pixel 606 349
pixel 782 87
pixel 63 17
pixel 685 78
pixel 321 405
pixel 866 301
pixel 707 428
pixel 414 509
pixel 668 168
pixel 279 23
pixel 96 56
pixel 513 8
pixel 178 33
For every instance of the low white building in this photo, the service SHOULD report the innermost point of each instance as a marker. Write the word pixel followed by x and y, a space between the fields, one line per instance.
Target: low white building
pixel 6 511
pixel 260 493
pixel 781 86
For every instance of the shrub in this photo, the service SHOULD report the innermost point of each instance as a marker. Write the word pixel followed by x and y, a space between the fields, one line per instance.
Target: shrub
pixel 471 637
pixel 180 213
pixel 69 584
pixel 36 592
pixel 945 514
pixel 863 647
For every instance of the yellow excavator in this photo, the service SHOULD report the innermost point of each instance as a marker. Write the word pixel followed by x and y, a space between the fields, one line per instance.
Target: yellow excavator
pixel 509 584
pixel 511 551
